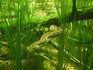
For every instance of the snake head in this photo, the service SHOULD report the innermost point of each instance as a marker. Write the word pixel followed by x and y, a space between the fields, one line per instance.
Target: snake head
pixel 55 28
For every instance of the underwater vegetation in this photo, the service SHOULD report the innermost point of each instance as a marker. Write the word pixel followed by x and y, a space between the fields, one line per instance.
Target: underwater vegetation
pixel 46 35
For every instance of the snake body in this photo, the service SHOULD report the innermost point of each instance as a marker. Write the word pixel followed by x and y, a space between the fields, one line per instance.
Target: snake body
pixel 54 30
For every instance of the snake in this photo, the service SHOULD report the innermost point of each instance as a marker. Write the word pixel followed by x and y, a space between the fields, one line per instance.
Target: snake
pixel 54 30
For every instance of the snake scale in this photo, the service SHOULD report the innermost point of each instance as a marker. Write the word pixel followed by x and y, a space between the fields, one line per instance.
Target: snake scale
pixel 54 30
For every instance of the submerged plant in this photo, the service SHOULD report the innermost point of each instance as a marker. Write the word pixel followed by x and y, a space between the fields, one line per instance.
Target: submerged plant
pixel 33 38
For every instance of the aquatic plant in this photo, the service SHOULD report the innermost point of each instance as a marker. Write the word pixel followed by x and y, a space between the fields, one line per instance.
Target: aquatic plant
pixel 46 35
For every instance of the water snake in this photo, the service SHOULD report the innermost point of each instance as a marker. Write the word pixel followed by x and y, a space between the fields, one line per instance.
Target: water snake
pixel 54 30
